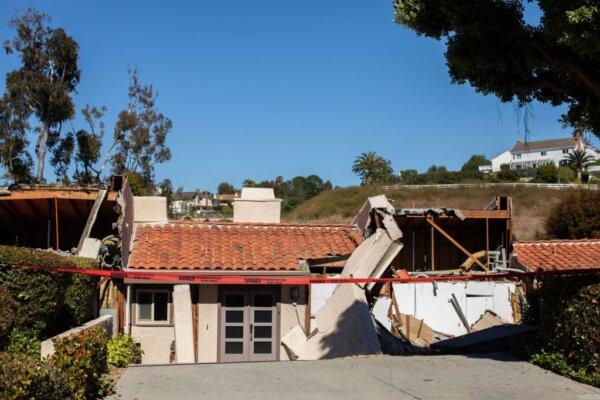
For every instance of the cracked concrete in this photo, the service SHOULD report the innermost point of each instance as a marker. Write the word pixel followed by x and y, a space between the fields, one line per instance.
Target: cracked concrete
pixel 487 376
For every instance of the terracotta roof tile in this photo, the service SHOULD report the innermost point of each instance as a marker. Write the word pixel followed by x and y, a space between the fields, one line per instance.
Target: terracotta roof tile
pixel 237 246
pixel 558 254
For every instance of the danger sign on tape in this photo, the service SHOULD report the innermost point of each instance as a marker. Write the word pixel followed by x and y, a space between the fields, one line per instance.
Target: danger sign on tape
pixel 200 278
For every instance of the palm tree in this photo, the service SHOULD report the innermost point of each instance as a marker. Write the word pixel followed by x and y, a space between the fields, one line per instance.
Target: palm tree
pixel 578 160
pixel 372 168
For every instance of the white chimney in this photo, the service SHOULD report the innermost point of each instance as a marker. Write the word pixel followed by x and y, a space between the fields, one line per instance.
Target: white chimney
pixel 257 205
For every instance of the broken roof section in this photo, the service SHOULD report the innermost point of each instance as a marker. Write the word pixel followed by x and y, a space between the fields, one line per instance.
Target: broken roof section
pixel 549 255
pixel 44 216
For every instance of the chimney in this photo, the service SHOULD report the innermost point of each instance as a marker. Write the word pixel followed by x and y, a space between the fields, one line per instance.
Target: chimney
pixel 257 205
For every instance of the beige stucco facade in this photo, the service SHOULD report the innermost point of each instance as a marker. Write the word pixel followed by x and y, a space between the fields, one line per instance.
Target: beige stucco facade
pixel 156 340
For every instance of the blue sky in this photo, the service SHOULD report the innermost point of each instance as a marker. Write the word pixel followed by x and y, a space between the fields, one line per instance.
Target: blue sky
pixel 258 89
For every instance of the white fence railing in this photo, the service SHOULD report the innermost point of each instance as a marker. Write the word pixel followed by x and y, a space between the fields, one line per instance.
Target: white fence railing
pixel 497 185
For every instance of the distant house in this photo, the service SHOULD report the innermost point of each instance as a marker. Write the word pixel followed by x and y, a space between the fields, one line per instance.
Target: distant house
pixel 530 155
pixel 192 202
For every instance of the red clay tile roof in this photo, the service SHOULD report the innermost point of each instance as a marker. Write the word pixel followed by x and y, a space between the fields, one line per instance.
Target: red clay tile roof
pixel 558 254
pixel 237 246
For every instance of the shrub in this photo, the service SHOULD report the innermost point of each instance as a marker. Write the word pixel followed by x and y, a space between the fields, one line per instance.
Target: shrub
pixel 123 351
pixel 565 174
pixel 506 174
pixel 23 342
pixel 567 310
pixel 23 377
pixel 6 314
pixel 83 357
pixel 575 217
pixel 44 302
pixel 547 173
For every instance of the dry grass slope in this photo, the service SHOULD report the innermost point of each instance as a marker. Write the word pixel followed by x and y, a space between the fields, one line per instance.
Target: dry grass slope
pixel 531 205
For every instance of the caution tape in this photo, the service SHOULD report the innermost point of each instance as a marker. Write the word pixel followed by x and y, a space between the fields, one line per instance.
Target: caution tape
pixel 200 278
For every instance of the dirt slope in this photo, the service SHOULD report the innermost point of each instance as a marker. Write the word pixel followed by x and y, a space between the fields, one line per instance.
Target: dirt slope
pixel 530 205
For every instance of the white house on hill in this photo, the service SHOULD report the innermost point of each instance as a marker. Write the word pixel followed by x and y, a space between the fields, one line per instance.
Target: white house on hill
pixel 526 155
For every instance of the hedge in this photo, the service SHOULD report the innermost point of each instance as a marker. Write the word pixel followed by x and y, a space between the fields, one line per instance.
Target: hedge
pixel 43 302
pixel 568 311
pixel 77 370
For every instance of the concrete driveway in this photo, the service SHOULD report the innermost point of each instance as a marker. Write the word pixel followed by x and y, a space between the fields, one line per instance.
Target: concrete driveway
pixel 489 376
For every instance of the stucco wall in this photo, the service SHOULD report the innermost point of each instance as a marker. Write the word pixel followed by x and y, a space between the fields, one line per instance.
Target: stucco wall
pixel 290 314
pixel 208 323
pixel 267 211
pixel 155 341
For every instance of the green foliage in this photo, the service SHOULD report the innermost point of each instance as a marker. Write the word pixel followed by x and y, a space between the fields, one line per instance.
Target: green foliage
pixel 547 173
pixel 45 302
pixel 569 317
pixel 123 351
pixel 474 162
pixel 575 217
pixel 578 159
pixel 506 174
pixel 372 168
pixel 23 342
pixel 140 133
pixel 494 48
pixel 140 185
pixel 295 191
pixel 24 378
pixel 7 317
pixel 77 370
pixel 565 174
pixel 83 357
pixel 225 188
pixel 40 88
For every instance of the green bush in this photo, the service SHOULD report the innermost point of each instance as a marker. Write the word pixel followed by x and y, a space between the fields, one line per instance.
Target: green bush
pixel 44 302
pixel 565 174
pixel 547 173
pixel 23 342
pixel 123 351
pixel 506 174
pixel 77 370
pixel 568 312
pixel 24 378
pixel 7 316
pixel 84 358
pixel 575 217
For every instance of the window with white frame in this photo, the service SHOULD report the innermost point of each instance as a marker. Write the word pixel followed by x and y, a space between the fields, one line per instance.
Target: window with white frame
pixel 543 153
pixel 565 151
pixel 153 306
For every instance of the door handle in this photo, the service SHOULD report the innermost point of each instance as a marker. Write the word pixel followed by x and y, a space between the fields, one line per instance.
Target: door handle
pixel 251 326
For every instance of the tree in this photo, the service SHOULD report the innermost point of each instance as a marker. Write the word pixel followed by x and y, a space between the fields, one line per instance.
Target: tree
pixel 85 146
pixel 575 217
pixel 490 46
pixel 474 162
pixel 13 143
pixel 225 188
pixel 140 134
pixel 372 168
pixel 547 173
pixel 409 177
pixel 435 169
pixel 248 183
pixel 41 87
pixel 166 190
pixel 578 159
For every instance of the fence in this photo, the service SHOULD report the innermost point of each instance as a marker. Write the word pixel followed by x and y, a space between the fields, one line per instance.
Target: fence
pixel 557 186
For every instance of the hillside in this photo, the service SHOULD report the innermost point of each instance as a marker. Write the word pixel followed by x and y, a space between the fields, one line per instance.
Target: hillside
pixel 530 205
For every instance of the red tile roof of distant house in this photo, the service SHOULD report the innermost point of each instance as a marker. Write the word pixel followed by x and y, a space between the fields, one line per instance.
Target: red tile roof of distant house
pixel 558 254
pixel 238 246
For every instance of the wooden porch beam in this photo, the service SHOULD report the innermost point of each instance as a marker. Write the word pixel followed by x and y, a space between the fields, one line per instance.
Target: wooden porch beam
pixel 454 242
